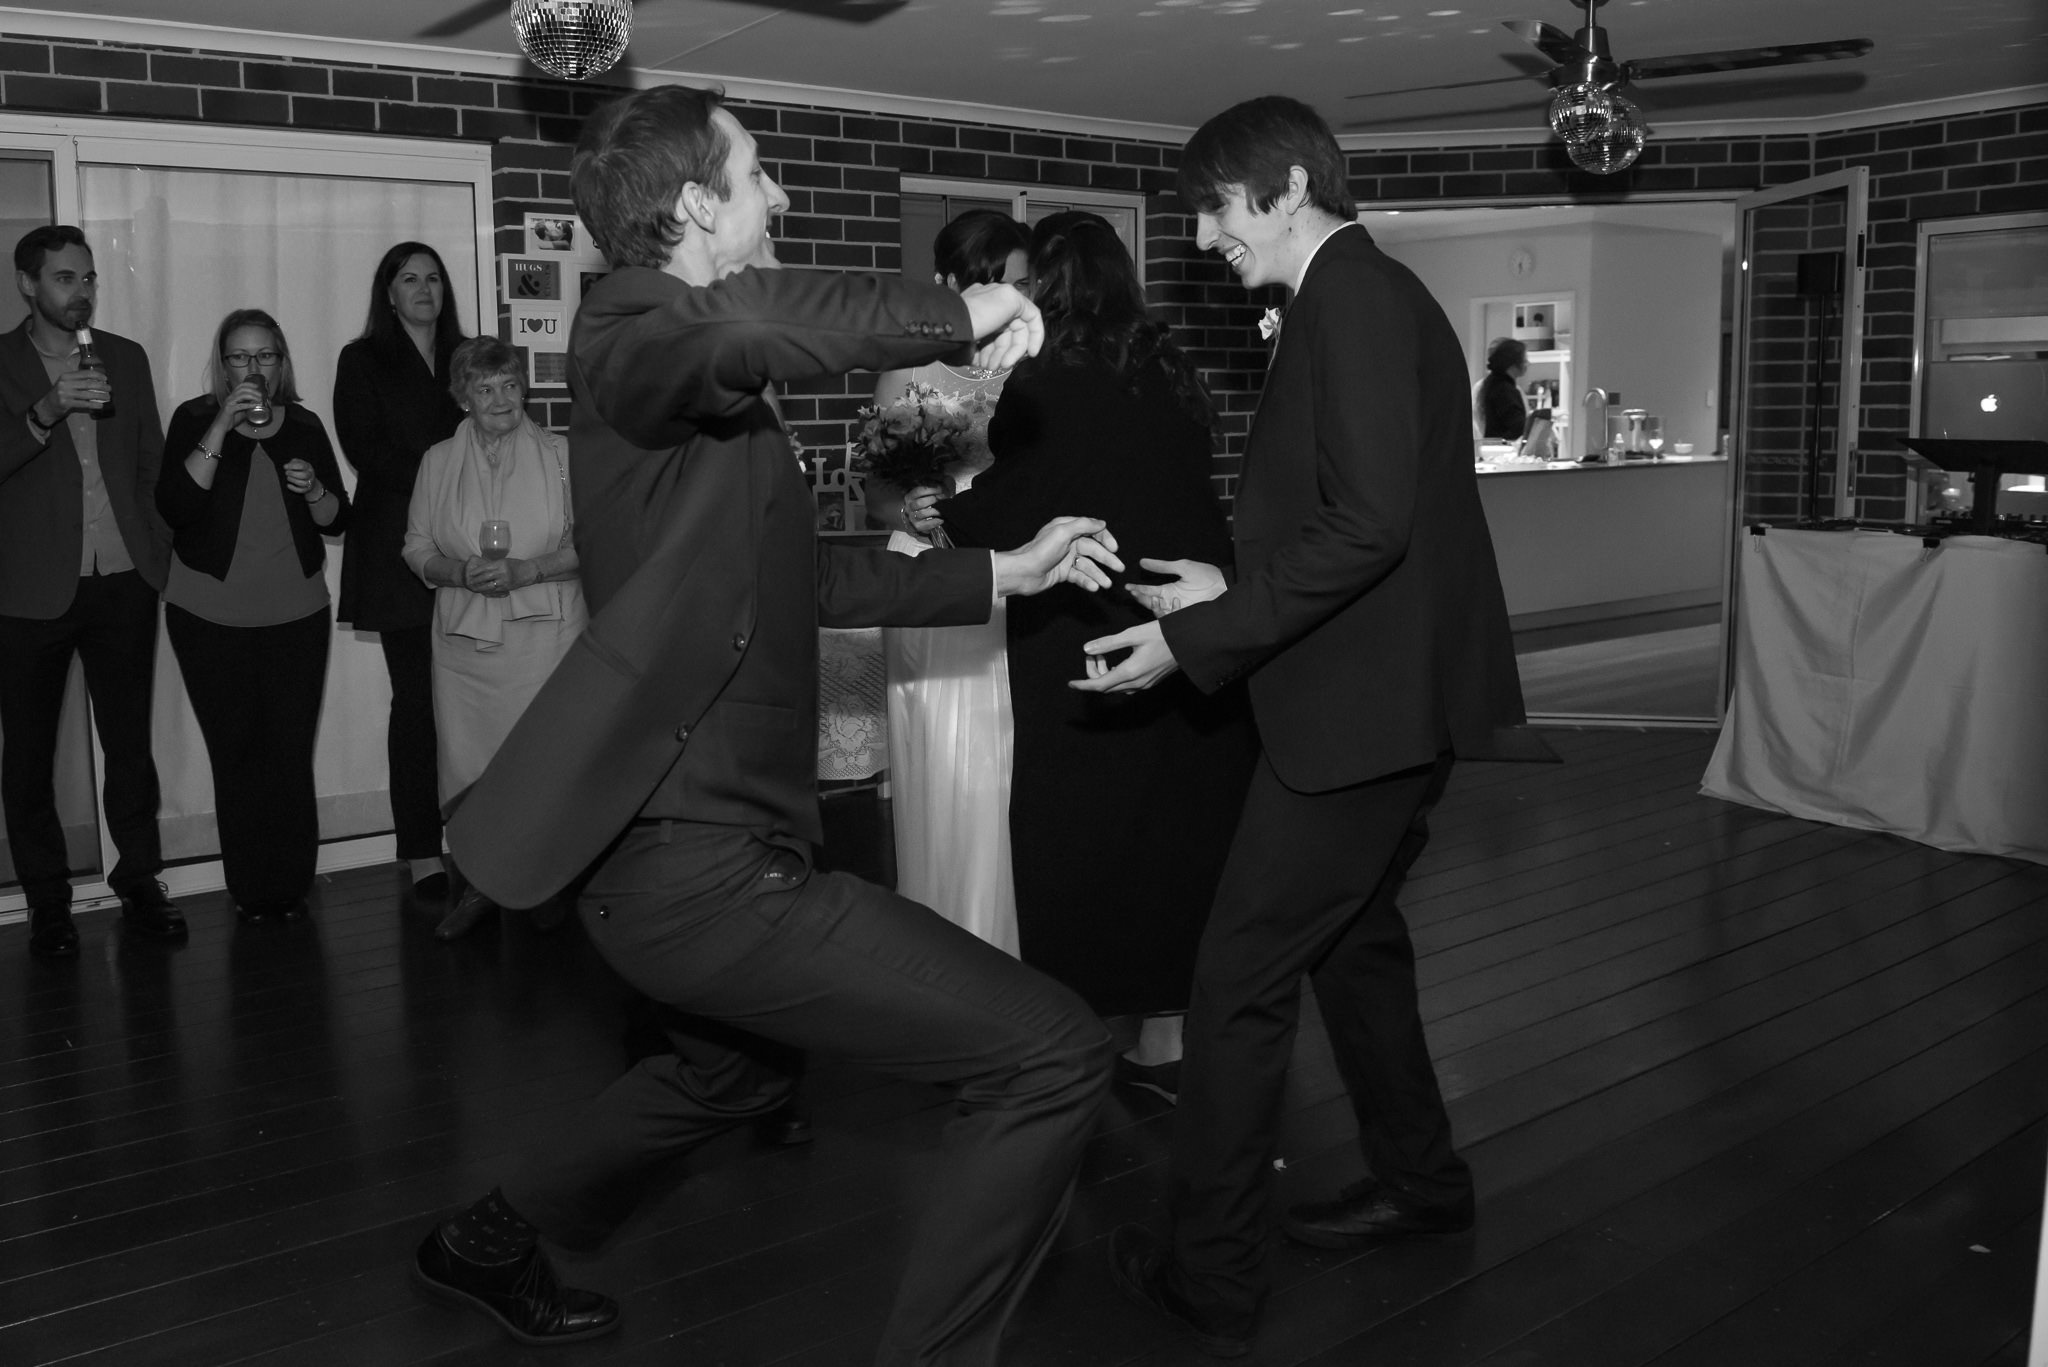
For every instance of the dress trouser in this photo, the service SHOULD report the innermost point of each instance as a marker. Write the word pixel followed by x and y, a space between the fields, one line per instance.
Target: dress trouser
pixel 713 921
pixel 256 692
pixel 1309 888
pixel 111 625
pixel 409 741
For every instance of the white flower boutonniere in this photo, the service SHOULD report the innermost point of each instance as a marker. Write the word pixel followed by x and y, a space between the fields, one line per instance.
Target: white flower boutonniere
pixel 1269 324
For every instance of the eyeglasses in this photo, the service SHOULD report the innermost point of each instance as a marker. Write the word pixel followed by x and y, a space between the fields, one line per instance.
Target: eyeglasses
pixel 241 359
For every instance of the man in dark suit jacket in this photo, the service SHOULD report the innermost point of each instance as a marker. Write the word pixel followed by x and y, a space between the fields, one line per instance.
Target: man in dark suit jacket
pixel 83 555
pixel 676 745
pixel 1367 618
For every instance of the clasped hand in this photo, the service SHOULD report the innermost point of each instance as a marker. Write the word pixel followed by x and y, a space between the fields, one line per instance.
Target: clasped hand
pixel 1150 659
pixel 77 391
pixel 493 578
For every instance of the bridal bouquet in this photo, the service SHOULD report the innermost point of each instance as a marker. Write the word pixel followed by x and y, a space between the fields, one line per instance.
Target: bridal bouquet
pixel 912 439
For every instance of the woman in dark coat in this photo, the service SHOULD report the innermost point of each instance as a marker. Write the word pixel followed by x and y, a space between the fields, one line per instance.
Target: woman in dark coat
pixel 391 402
pixel 1109 421
pixel 249 488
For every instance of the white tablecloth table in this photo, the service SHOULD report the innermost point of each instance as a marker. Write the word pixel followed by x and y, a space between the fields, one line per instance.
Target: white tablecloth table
pixel 1889 686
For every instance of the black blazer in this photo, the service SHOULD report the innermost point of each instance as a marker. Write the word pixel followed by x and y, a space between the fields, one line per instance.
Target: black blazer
pixel 42 517
pixel 388 409
pixel 1367 613
pixel 679 461
pixel 205 522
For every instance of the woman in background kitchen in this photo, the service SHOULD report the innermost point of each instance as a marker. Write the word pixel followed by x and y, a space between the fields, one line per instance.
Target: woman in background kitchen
pixel 1497 403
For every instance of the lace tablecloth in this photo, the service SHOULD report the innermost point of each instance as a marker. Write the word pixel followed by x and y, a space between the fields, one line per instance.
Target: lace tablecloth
pixel 853 738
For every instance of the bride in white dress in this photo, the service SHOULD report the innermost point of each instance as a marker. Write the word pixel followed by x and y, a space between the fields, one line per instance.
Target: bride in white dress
pixel 949 687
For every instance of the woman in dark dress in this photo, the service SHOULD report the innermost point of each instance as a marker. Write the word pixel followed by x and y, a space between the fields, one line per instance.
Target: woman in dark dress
pixel 391 402
pixel 1121 808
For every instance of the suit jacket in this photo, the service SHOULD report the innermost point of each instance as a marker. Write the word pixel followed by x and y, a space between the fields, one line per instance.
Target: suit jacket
pixel 1367 610
pixel 42 490
pixel 388 409
pixel 680 465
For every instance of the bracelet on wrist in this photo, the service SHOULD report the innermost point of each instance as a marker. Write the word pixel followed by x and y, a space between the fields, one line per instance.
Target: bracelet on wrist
pixel 206 450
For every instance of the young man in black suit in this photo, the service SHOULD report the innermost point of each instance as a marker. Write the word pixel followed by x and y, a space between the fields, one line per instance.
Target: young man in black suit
pixel 83 555
pixel 676 746
pixel 1367 617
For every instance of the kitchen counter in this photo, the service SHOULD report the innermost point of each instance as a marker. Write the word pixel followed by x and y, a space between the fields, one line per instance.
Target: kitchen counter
pixel 1609 541
pixel 1505 464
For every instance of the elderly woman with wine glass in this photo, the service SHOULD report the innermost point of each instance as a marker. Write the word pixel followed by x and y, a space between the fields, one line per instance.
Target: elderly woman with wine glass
pixel 490 532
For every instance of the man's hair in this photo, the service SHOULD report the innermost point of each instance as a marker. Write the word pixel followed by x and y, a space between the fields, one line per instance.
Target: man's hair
pixel 632 162
pixel 975 247
pixel 38 243
pixel 382 323
pixel 1505 353
pixel 1250 146
pixel 221 382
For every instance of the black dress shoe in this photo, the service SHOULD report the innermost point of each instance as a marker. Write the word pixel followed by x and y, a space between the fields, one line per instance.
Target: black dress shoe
pixel 524 1298
pixel 1160 1079
pixel 469 910
pixel 1370 1212
pixel 1138 1265
pixel 785 1127
pixel 147 912
pixel 294 909
pixel 51 934
pixel 432 888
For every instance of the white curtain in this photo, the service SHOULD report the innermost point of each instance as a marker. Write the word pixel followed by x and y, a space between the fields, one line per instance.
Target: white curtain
pixel 177 250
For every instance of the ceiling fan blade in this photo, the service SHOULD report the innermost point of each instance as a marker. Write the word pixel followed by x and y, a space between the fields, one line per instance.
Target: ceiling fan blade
pixel 467 18
pixel 1552 41
pixel 1738 59
pixel 1420 89
pixel 847 11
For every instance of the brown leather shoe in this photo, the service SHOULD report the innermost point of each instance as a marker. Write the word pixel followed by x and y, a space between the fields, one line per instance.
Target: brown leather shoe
pixel 468 912
pixel 524 1298
pixel 1371 1212
pixel 51 935
pixel 1138 1263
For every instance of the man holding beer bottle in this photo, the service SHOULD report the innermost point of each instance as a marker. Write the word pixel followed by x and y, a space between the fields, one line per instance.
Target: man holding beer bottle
pixel 82 559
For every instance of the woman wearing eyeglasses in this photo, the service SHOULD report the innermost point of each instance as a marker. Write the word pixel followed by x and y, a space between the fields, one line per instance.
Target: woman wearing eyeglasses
pixel 249 488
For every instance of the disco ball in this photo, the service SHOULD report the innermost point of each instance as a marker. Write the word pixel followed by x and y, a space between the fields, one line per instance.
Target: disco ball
pixel 1580 110
pixel 573 39
pixel 1615 145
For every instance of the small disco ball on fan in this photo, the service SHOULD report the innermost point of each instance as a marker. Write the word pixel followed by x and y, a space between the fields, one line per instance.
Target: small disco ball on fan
pixel 573 39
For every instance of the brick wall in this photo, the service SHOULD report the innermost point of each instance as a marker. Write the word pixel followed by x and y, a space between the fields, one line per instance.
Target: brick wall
pixel 841 170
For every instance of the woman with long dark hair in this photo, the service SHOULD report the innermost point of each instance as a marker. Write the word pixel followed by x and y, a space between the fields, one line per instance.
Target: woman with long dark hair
pixel 1121 807
pixel 391 403
pixel 249 487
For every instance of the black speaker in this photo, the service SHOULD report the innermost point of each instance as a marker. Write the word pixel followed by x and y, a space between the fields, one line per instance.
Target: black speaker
pixel 1820 273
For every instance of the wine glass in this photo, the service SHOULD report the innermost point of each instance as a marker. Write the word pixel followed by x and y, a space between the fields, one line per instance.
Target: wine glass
pixel 494 539
pixel 1653 436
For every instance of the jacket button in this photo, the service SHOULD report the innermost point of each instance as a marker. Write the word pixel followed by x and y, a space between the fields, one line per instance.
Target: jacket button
pixel 682 733
pixel 949 329
pixel 739 642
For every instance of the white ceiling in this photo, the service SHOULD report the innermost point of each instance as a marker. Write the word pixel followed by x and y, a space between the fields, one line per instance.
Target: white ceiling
pixel 1168 64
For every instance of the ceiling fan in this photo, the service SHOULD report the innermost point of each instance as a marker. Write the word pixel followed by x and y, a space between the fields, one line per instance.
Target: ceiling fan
pixel 582 38
pixel 1602 128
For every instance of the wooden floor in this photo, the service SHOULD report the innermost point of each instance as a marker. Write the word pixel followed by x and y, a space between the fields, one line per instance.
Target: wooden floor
pixel 1650 674
pixel 1739 1090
